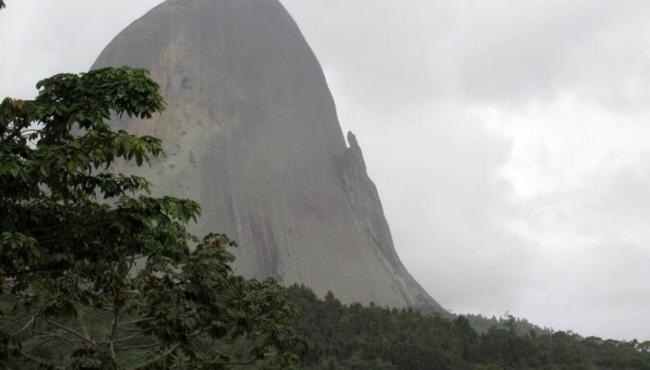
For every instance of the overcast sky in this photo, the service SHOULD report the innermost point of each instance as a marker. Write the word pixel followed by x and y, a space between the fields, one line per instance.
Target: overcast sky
pixel 509 140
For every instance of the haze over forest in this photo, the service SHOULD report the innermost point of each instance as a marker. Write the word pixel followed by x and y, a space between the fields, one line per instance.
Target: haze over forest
pixel 508 141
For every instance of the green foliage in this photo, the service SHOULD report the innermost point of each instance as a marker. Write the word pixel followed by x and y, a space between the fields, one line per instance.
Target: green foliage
pixel 358 337
pixel 97 274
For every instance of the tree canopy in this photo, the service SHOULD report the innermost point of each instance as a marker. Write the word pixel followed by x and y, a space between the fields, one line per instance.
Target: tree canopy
pixel 360 337
pixel 95 272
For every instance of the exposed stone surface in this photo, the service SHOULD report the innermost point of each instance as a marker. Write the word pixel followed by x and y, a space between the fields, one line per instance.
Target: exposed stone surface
pixel 251 133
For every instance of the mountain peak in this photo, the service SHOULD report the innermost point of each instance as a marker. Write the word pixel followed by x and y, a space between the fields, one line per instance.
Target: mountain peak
pixel 252 134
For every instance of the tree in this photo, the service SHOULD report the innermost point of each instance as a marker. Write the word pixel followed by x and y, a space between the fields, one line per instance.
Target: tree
pixel 95 272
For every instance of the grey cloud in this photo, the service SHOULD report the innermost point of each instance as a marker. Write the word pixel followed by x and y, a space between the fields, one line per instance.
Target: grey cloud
pixel 496 51
pixel 388 53
pixel 601 253
pixel 41 38
pixel 535 49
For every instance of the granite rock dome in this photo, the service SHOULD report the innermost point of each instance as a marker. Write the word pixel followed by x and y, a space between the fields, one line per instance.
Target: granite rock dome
pixel 252 133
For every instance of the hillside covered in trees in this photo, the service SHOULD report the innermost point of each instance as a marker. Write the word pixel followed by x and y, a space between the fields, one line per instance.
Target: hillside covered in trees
pixel 370 337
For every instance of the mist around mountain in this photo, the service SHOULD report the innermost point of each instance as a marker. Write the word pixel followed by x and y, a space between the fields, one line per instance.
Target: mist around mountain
pixel 252 133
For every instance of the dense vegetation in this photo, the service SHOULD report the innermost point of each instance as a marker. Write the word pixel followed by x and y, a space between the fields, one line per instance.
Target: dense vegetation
pixel 365 338
pixel 97 274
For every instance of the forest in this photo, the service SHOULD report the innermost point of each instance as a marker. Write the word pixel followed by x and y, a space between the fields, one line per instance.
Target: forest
pixel 353 336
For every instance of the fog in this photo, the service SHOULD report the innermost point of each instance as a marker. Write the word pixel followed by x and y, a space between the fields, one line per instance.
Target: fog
pixel 508 140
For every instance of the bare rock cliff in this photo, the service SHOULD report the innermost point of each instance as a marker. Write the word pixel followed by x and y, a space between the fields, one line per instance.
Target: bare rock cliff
pixel 251 133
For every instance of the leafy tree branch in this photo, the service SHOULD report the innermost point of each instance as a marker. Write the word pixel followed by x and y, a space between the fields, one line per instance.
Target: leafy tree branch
pixel 98 274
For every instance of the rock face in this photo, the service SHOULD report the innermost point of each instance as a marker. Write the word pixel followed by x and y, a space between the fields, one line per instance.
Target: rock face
pixel 251 133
